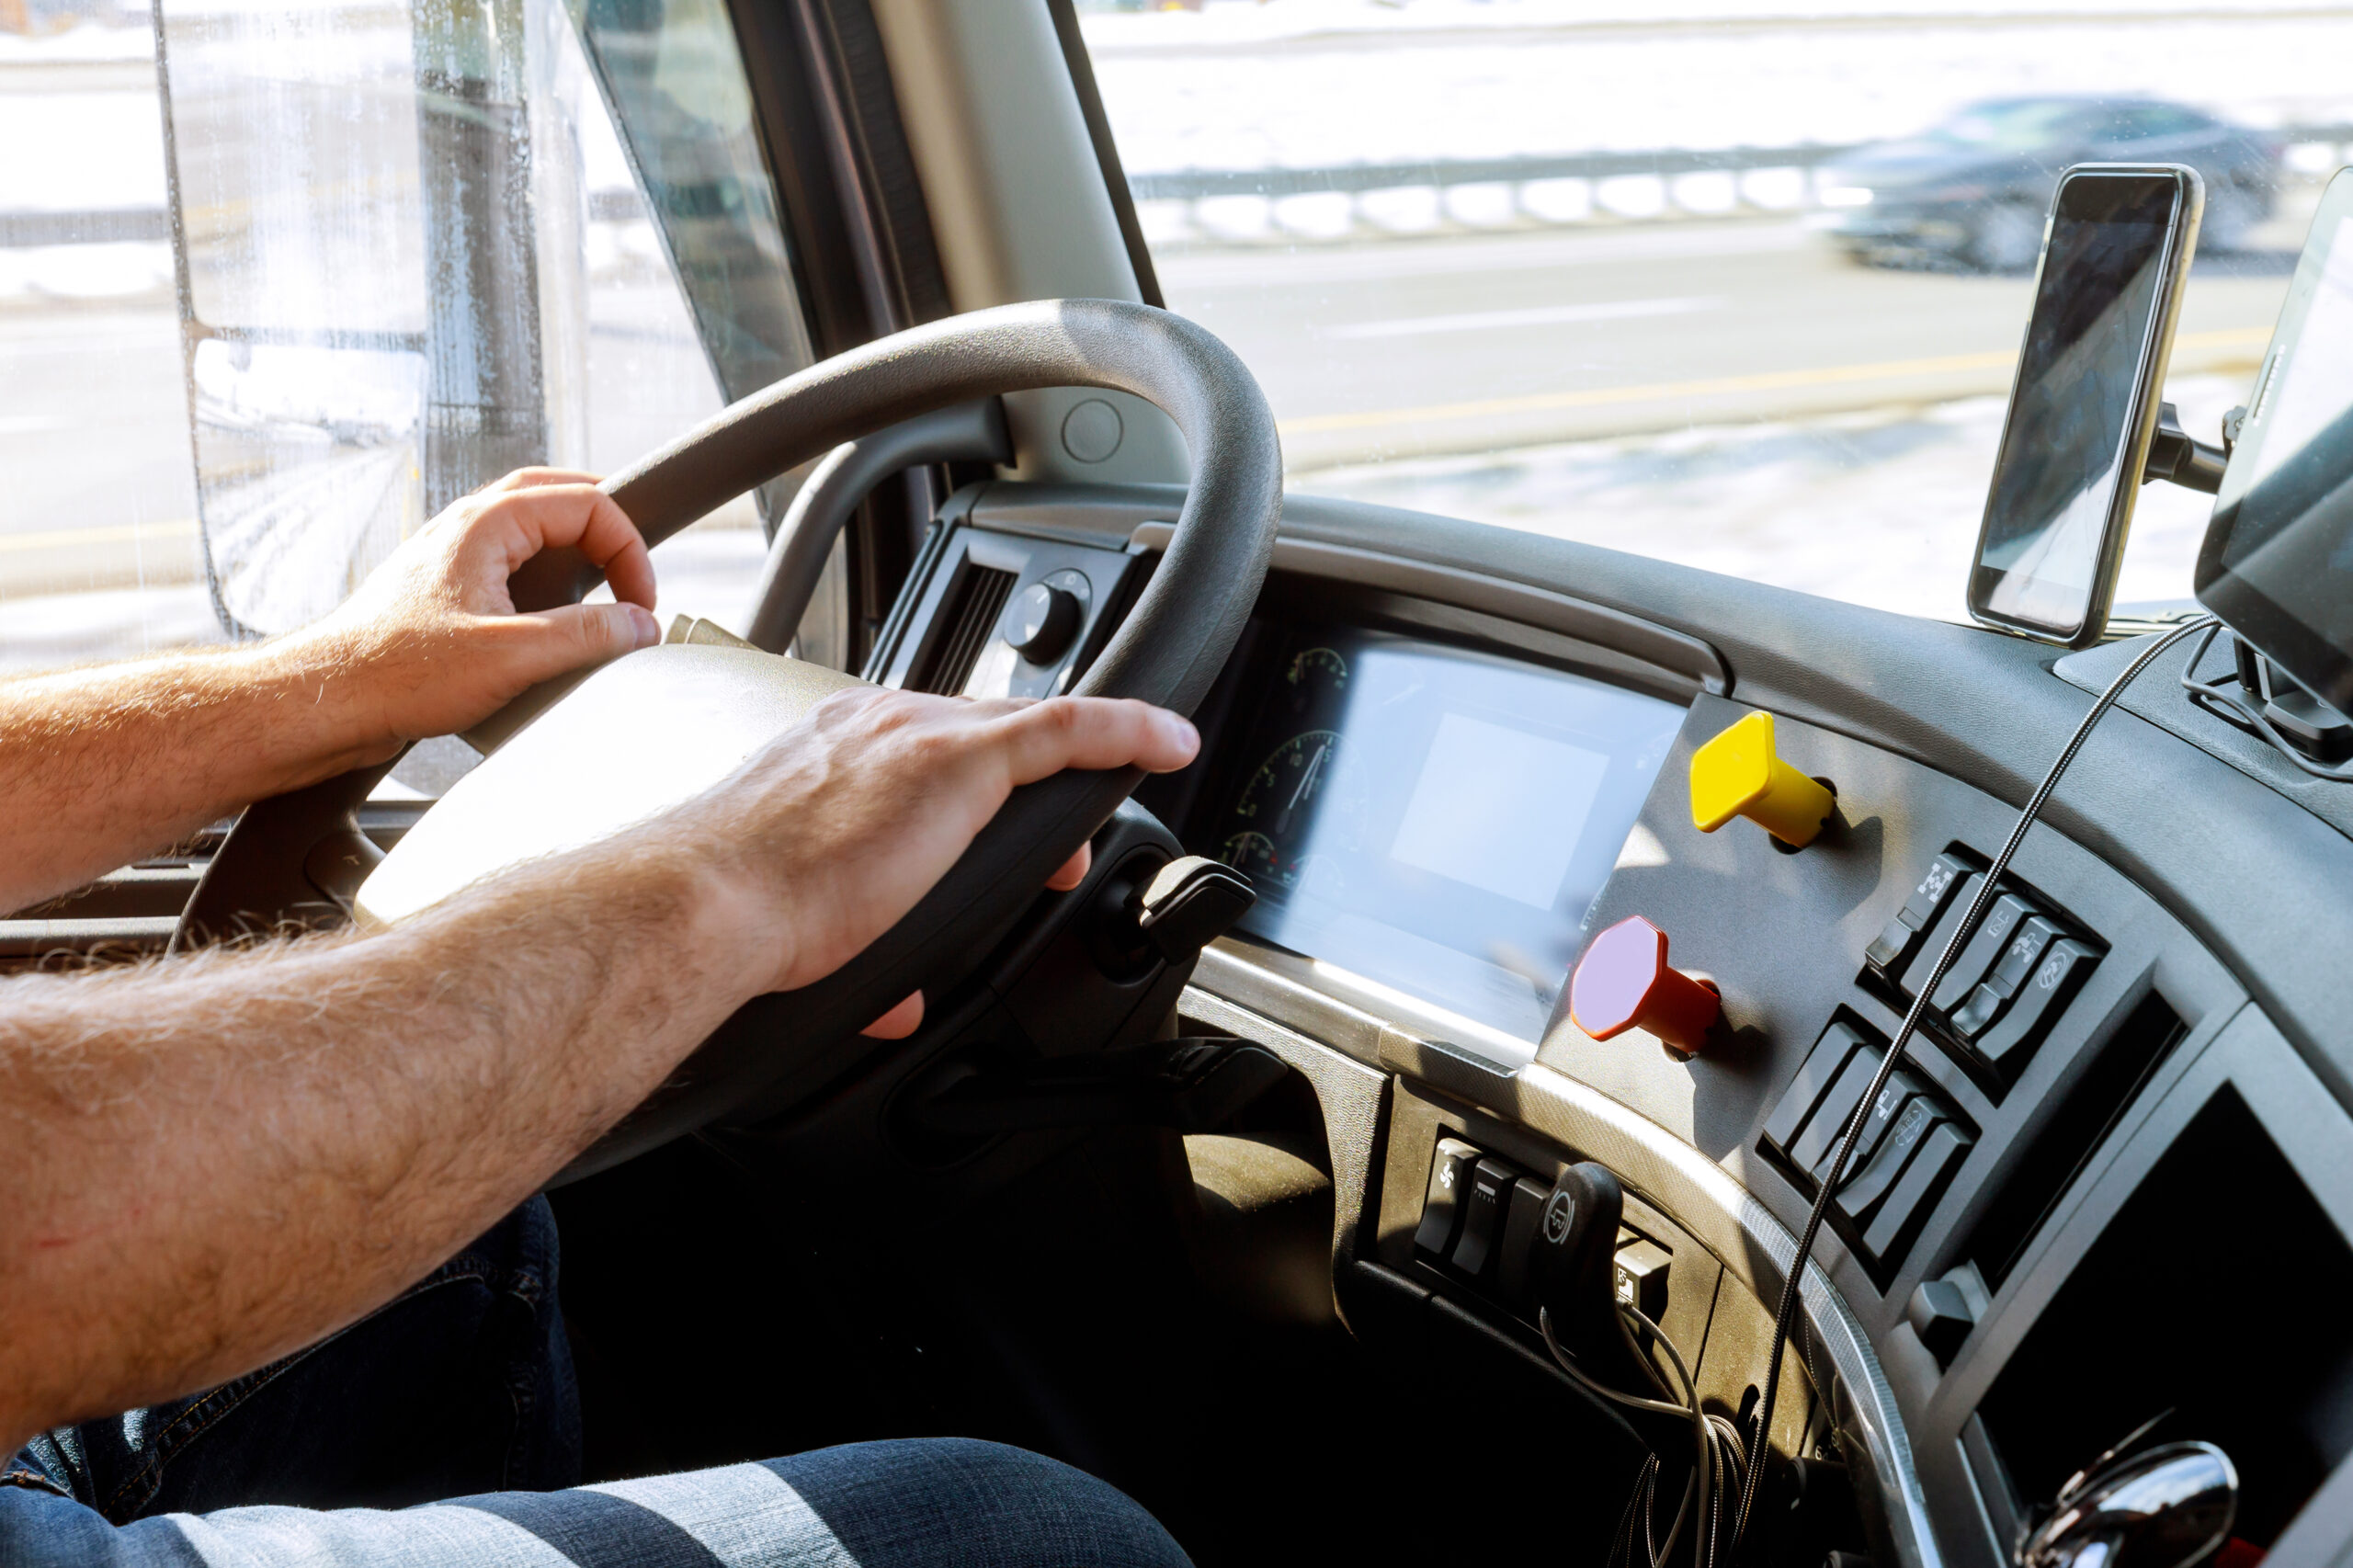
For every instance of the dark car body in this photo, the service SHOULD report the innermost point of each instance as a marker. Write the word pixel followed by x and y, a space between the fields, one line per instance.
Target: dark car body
pixel 1973 190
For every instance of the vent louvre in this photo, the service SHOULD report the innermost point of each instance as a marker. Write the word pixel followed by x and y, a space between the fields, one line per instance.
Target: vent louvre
pixel 969 616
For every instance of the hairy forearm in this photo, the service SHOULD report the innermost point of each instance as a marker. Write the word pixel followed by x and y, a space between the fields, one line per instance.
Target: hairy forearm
pixel 102 765
pixel 212 1162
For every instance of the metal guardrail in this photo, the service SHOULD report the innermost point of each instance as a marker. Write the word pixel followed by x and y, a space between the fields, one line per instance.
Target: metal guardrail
pixel 111 225
pixel 107 225
pixel 1195 184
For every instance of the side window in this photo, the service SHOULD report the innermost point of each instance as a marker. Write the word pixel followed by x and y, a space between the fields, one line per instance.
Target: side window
pixel 290 277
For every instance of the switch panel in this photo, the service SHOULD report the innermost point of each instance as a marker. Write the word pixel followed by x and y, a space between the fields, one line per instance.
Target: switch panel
pixel 1911 1140
pixel 2005 988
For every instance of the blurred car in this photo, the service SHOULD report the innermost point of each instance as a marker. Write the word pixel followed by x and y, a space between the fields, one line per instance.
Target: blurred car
pixel 1973 190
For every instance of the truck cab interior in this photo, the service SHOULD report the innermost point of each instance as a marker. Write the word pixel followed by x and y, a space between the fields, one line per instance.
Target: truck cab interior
pixel 1596 1061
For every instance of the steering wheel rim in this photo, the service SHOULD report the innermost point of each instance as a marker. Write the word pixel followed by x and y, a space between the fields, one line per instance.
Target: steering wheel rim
pixel 1175 638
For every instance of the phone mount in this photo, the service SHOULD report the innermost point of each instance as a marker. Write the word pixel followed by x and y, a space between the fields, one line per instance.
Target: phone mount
pixel 2177 456
pixel 2258 696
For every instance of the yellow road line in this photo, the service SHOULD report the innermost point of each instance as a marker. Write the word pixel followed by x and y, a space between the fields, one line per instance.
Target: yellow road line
pixel 62 539
pixel 1766 381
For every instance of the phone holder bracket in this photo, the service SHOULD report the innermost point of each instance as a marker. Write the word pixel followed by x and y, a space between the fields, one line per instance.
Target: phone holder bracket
pixel 2175 454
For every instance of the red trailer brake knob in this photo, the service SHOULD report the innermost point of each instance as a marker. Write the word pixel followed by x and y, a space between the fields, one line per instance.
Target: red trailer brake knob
pixel 1625 982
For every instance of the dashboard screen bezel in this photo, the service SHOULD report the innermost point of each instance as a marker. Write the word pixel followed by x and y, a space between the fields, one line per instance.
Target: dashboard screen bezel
pixel 1248 720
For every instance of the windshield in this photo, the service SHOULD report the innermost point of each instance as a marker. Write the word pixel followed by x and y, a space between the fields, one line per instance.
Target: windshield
pixel 1691 279
pixel 2010 127
pixel 288 277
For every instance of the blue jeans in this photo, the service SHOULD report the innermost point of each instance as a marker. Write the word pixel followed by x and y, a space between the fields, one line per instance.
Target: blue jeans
pixel 462 1389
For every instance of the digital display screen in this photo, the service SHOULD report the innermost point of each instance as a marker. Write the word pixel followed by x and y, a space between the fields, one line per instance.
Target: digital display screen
pixel 2060 477
pixel 1435 820
pixel 2278 563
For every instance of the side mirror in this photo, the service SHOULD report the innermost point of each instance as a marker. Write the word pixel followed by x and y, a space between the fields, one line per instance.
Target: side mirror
pixel 2168 1507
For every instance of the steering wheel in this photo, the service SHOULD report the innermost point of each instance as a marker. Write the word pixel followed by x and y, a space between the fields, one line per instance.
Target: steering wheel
pixel 658 726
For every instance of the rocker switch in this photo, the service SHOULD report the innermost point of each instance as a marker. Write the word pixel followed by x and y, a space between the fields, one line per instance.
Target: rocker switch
pixel 1482 1216
pixel 1442 1205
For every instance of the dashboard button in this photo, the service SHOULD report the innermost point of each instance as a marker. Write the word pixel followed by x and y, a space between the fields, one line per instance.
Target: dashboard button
pixel 1482 1216
pixel 1442 1204
pixel 1041 620
pixel 2039 1000
pixel 1738 774
pixel 1977 960
pixel 1940 1151
pixel 1522 1215
pixel 1819 1071
pixel 1872 1178
pixel 1829 1117
pixel 1893 947
pixel 2019 959
pixel 1903 1087
pixel 1984 1004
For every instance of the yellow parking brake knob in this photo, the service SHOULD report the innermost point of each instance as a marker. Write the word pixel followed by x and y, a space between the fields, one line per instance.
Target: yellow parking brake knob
pixel 1737 775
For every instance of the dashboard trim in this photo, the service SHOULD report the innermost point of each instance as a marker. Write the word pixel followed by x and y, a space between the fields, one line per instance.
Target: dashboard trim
pixel 1608 641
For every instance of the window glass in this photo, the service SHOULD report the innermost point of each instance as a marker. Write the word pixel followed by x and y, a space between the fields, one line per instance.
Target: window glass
pixel 1739 288
pixel 417 245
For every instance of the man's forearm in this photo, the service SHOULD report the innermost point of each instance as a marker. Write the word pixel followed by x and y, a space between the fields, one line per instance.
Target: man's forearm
pixel 210 1163
pixel 101 766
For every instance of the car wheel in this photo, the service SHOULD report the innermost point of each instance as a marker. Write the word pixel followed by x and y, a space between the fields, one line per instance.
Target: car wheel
pixel 2005 236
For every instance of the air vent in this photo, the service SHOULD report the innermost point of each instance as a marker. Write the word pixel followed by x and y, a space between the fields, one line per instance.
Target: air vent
pixel 968 619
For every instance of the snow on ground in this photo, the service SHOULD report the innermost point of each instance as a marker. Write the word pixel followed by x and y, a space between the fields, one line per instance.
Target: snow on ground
pixel 1879 508
pixel 1304 84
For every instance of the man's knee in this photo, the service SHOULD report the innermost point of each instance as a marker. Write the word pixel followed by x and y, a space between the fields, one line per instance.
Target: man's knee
pixel 899 1496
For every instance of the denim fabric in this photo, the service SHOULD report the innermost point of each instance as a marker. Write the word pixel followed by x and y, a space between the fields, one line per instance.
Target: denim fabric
pixel 461 1384
pixel 931 1503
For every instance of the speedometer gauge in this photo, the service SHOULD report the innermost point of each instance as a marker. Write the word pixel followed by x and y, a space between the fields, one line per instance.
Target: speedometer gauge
pixel 1296 791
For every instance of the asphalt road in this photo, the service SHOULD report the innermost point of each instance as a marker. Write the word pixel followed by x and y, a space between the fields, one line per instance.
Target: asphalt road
pixel 1481 343
pixel 1435 346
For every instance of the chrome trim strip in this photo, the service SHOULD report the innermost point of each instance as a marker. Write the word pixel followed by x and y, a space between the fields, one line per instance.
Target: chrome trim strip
pixel 1694 1189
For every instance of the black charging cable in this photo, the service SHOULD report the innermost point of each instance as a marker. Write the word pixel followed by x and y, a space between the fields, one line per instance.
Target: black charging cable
pixel 1987 891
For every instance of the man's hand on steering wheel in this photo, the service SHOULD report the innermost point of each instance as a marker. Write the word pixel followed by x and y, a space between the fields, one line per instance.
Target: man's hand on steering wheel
pixel 431 643
pixel 830 834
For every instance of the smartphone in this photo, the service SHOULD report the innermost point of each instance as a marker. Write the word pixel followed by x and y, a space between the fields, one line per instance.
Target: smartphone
pixel 2115 256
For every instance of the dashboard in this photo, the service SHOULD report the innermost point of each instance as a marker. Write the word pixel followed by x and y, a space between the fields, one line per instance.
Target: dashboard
pixel 1447 756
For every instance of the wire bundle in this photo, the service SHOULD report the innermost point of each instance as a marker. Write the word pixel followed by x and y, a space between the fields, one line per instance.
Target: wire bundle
pixel 1719 1461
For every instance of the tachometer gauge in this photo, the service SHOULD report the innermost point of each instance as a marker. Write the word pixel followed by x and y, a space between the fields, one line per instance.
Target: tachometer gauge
pixel 1312 672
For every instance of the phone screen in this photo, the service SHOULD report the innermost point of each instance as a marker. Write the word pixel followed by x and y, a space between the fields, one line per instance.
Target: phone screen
pixel 2067 474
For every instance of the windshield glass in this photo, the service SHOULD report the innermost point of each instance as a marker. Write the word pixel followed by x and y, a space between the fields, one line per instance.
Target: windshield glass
pixel 288 277
pixel 2009 126
pixel 1694 279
